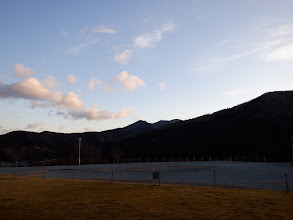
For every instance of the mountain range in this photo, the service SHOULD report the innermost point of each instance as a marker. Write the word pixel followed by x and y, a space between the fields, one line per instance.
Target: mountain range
pixel 260 129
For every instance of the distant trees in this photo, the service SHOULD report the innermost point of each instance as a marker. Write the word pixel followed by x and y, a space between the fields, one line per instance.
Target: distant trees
pixel 12 154
pixel 116 153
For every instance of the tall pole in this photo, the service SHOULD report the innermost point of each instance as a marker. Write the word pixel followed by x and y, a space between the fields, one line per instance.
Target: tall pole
pixel 292 152
pixel 292 148
pixel 79 140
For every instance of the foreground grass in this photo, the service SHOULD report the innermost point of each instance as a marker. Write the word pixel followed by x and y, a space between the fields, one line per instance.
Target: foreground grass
pixel 35 198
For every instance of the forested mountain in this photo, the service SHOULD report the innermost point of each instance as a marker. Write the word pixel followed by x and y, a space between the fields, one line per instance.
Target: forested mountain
pixel 252 130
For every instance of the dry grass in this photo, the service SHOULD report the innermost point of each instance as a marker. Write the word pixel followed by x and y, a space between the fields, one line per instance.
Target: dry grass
pixel 36 198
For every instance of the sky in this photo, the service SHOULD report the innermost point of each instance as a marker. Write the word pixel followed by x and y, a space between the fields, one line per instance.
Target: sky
pixel 77 66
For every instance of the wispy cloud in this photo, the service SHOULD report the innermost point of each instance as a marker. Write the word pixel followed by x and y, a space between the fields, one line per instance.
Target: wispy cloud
pixel 162 86
pixel 93 83
pixel 76 49
pixel 21 71
pixel 284 53
pixel 282 30
pixel 35 125
pixel 104 30
pixel 72 79
pixel 277 46
pixel 64 33
pixel 123 57
pixel 149 39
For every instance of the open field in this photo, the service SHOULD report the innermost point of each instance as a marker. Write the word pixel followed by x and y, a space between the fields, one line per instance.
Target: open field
pixel 36 198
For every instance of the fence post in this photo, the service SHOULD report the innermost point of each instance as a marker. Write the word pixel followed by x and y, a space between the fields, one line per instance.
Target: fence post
pixel 287 187
pixel 214 177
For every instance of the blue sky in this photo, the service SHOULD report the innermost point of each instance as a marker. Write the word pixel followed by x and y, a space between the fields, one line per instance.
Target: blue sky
pixel 76 66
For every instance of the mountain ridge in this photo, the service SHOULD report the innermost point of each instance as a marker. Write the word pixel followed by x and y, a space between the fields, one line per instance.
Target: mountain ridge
pixel 261 126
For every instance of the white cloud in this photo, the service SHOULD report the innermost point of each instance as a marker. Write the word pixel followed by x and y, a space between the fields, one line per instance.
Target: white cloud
pixel 94 114
pixel 93 83
pixel 21 71
pixel 129 82
pixel 284 53
pixel 50 82
pixel 104 30
pixel 162 86
pixel 69 105
pixel 40 96
pixel 29 88
pixel 35 125
pixel 123 113
pixel 70 100
pixel 71 79
pixel 123 57
pixel 149 39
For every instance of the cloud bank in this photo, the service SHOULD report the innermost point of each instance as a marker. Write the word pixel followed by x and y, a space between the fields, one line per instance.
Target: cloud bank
pixel 39 94
pixel 93 114
pixel 69 105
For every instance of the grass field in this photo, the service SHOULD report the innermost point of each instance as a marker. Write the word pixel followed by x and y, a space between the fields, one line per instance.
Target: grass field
pixel 36 198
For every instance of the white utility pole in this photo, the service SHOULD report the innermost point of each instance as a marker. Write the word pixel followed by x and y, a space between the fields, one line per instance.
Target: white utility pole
pixel 79 140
